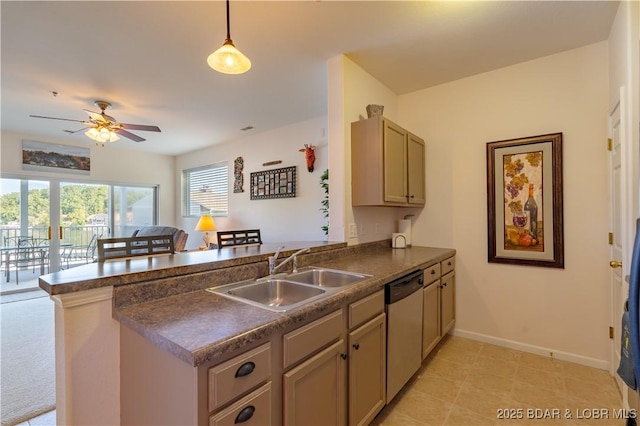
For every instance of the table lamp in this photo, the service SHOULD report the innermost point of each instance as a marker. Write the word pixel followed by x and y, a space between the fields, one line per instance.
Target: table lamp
pixel 206 224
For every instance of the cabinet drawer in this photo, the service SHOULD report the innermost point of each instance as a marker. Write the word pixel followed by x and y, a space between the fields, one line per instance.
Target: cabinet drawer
pixel 238 375
pixel 302 342
pixel 448 265
pixel 366 308
pixel 431 274
pixel 253 409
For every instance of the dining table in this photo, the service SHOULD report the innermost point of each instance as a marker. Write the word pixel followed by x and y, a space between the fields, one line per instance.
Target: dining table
pixel 42 247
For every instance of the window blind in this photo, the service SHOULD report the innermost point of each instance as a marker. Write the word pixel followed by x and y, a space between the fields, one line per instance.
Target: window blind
pixel 207 190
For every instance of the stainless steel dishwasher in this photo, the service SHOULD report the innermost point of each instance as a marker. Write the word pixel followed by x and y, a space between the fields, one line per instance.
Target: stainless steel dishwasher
pixel 403 300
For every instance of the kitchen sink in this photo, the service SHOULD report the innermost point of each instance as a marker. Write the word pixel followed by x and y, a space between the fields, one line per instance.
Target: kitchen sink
pixel 324 277
pixel 274 294
pixel 283 292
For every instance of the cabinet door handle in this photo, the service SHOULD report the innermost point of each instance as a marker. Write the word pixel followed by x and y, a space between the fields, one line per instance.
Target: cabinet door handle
pixel 344 356
pixel 444 285
pixel 356 346
pixel 245 369
pixel 245 414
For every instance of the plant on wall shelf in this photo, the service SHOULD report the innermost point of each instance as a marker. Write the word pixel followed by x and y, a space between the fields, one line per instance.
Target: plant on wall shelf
pixel 324 183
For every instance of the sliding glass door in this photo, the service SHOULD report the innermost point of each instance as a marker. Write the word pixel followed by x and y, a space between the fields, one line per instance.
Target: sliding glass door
pixel 72 215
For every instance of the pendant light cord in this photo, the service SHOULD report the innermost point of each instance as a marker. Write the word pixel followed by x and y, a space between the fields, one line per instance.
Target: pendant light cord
pixel 228 30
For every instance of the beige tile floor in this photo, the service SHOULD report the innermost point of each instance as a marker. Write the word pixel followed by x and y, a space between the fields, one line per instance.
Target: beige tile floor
pixel 466 382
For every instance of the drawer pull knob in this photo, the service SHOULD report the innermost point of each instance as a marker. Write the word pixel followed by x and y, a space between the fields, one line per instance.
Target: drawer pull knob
pixel 246 369
pixel 344 356
pixel 433 272
pixel 245 414
pixel 356 346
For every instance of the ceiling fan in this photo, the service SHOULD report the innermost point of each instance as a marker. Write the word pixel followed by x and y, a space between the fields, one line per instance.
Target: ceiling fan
pixel 103 128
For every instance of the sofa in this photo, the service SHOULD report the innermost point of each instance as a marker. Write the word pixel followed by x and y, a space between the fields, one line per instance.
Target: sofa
pixel 179 236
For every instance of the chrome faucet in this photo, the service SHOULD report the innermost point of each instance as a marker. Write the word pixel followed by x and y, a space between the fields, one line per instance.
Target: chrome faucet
pixel 272 260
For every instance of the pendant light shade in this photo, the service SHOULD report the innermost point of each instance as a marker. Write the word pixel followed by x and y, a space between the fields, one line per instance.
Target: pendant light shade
pixel 228 59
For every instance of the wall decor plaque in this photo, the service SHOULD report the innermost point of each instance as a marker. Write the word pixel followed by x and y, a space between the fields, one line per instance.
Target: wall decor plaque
pixel 276 183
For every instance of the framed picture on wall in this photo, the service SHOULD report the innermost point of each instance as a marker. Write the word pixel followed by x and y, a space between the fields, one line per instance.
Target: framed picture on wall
pixel 50 157
pixel 524 201
pixel 276 183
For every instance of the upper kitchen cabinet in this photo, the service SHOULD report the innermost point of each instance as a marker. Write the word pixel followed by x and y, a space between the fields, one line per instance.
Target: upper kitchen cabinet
pixel 387 164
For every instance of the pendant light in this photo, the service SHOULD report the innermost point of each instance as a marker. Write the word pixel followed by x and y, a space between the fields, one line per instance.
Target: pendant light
pixel 228 59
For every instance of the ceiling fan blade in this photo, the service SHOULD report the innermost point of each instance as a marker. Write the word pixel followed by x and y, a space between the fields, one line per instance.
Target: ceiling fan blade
pixel 140 127
pixel 129 135
pixel 103 118
pixel 71 132
pixel 56 118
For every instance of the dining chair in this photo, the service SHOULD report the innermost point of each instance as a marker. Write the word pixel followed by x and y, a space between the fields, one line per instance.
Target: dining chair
pixel 86 253
pixel 28 252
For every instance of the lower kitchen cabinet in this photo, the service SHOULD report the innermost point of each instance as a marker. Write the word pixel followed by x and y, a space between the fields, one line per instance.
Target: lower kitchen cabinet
pixel 367 371
pixel 430 317
pixel 447 302
pixel 439 309
pixel 314 392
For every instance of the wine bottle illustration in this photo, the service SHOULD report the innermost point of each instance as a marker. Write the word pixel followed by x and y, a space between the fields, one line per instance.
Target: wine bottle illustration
pixel 532 208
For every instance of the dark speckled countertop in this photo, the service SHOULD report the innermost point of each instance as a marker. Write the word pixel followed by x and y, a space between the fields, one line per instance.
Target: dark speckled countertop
pixel 200 326
pixel 122 272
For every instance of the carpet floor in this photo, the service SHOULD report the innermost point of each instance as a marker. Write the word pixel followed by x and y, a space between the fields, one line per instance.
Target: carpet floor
pixel 27 359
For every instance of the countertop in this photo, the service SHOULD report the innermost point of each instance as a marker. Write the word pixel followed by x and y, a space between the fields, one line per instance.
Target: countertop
pixel 200 326
pixel 122 272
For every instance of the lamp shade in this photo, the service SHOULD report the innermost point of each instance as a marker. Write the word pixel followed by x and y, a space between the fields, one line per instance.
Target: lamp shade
pixel 206 224
pixel 229 60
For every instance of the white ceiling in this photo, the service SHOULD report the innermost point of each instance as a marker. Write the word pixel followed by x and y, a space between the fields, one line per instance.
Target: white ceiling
pixel 148 58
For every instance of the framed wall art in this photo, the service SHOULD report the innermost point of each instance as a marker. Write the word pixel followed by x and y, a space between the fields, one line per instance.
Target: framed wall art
pixel 276 183
pixel 524 201
pixel 55 158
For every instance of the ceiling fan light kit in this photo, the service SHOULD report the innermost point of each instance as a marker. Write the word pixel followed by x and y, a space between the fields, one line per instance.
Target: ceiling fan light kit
pixel 102 135
pixel 103 128
pixel 228 59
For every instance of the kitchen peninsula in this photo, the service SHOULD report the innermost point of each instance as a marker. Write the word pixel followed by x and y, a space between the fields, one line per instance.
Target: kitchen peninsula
pixel 160 304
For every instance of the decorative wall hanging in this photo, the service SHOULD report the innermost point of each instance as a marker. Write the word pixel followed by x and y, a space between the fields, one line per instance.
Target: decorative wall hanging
pixel 272 163
pixel 276 183
pixel 524 191
pixel 309 155
pixel 49 157
pixel 238 177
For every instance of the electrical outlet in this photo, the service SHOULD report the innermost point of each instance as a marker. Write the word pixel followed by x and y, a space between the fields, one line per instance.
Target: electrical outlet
pixel 353 231
pixel 377 228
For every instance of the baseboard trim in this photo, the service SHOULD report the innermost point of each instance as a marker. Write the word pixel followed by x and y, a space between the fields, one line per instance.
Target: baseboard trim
pixel 537 350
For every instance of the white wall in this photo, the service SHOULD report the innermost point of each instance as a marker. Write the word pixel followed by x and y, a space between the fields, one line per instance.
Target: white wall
pixel 109 164
pixel 284 219
pixel 360 89
pixel 564 311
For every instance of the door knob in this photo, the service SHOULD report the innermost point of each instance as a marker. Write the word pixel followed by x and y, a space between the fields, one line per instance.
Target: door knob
pixel 615 264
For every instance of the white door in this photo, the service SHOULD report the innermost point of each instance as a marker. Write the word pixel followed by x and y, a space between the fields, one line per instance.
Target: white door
pixel 619 289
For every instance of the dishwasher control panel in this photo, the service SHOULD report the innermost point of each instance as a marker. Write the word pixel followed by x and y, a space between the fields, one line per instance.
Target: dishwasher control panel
pixel 402 287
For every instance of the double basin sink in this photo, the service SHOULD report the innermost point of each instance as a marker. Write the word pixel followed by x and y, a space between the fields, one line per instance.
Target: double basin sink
pixel 283 292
